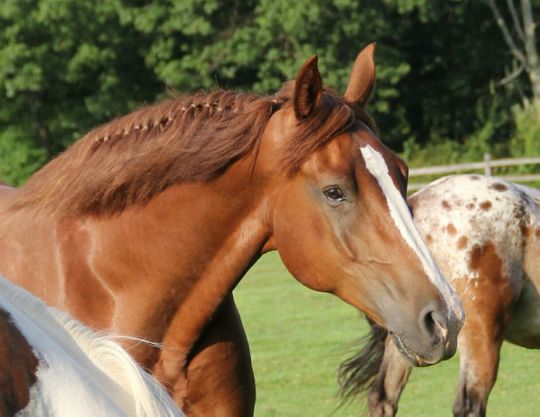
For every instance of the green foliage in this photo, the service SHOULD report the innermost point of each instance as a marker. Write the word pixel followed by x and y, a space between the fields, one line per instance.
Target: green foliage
pixel 436 152
pixel 18 159
pixel 493 129
pixel 526 140
pixel 67 65
pixel 491 135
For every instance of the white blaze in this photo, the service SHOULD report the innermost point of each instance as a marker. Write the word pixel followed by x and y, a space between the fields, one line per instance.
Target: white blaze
pixel 400 214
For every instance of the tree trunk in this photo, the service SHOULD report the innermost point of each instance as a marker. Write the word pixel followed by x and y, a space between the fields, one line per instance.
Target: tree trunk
pixel 529 27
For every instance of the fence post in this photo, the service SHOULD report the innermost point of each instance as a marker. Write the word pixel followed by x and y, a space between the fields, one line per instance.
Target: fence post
pixel 487 166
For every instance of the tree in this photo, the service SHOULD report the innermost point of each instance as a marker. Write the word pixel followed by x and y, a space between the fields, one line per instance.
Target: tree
pixel 257 45
pixel 67 65
pixel 518 28
pixel 519 33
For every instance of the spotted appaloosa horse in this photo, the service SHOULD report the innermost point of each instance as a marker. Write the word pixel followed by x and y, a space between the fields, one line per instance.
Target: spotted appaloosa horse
pixel 147 223
pixel 485 235
pixel 53 366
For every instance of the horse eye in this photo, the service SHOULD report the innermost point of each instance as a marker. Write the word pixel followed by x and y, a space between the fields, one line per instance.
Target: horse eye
pixel 334 194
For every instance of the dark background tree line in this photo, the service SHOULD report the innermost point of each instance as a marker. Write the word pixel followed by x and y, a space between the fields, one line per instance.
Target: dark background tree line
pixel 456 78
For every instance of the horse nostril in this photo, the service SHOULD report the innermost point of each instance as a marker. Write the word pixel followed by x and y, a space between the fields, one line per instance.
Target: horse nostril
pixel 435 324
pixel 429 322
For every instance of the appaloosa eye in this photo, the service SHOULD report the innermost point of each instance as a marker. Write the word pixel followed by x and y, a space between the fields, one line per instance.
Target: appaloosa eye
pixel 334 194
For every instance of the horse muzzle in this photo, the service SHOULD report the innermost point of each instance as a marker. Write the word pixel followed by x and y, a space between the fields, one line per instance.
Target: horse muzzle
pixel 435 339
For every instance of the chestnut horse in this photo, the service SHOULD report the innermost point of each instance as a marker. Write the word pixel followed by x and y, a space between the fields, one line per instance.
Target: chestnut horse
pixel 52 365
pixel 146 224
pixel 485 235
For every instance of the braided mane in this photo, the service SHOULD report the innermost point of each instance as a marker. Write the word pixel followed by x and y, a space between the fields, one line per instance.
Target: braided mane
pixel 185 139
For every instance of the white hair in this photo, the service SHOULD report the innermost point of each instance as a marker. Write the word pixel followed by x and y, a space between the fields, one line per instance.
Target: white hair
pixel 81 372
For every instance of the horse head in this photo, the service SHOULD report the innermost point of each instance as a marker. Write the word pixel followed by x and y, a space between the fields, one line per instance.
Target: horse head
pixel 339 217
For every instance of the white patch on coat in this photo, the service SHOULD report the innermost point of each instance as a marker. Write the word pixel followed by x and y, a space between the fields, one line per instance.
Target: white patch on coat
pixel 80 372
pixel 400 214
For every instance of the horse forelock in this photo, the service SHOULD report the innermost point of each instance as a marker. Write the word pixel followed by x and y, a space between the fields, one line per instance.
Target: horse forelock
pixel 186 139
pixel 104 367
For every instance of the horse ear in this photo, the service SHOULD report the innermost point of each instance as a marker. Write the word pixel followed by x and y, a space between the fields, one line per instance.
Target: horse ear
pixel 307 89
pixel 362 77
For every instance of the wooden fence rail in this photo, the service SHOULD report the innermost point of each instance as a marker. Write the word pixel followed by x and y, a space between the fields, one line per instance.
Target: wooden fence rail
pixel 486 166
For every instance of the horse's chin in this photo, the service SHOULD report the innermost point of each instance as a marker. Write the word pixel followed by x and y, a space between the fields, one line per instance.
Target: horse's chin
pixel 412 357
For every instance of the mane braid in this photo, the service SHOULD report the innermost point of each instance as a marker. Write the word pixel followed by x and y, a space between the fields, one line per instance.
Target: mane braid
pixel 186 139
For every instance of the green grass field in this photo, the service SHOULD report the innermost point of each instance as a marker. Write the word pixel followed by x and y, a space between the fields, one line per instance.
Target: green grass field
pixel 298 338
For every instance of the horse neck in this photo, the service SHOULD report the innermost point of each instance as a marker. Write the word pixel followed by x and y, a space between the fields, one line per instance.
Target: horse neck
pixel 179 255
pixel 144 270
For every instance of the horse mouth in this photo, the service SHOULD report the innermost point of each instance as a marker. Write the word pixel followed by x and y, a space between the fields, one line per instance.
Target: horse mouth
pixel 414 358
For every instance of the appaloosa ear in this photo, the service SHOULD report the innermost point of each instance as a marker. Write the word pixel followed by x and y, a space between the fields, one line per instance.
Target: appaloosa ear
pixel 362 77
pixel 307 89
